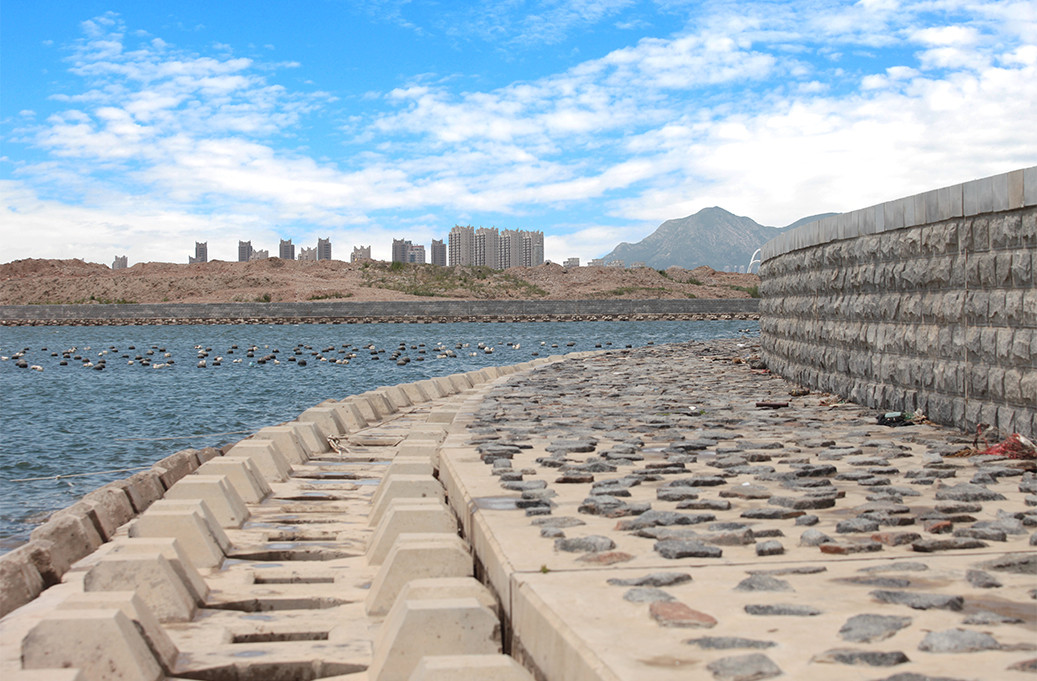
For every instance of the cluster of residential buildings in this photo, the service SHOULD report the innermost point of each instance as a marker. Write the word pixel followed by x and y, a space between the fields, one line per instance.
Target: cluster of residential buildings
pixel 467 245
pixel 486 246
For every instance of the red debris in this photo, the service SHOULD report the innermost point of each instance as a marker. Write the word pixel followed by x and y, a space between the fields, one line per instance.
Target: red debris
pixel 1015 446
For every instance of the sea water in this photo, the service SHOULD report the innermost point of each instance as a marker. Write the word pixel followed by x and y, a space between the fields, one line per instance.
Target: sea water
pixel 75 419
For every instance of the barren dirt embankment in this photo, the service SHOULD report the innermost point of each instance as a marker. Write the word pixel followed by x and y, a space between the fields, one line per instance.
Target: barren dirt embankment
pixel 38 282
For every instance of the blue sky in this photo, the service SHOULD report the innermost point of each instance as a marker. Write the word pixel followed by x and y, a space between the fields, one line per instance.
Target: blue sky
pixel 138 128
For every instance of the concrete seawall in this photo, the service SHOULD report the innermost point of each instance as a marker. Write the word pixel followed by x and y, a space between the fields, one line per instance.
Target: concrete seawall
pixel 927 303
pixel 327 312
pixel 664 513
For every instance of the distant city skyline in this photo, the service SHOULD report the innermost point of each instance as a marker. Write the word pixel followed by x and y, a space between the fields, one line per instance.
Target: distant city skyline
pixel 138 128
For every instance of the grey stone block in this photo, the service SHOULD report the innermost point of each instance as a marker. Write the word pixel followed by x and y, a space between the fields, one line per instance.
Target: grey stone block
pixel 1030 186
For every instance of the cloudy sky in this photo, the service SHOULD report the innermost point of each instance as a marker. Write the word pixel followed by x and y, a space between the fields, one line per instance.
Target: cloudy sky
pixel 138 128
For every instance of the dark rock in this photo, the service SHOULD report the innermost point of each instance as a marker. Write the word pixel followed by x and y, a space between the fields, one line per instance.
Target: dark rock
pixel 686 548
pixel 931 545
pixel 747 492
pixel 884 582
pixel 983 533
pixel 751 667
pixel 522 485
pixel 665 518
pixel 802 503
pixel 560 521
pixel 770 514
pixel 958 641
pixel 654 579
pixel 807 520
pixel 705 505
pixel 899 566
pixel 676 493
pixel 760 582
pixel 968 492
pixel 919 601
pixel 575 478
pixel 896 538
pixel 594 542
pixel 646 594
pixel 782 609
pixel 814 537
pixel 770 548
pixel 871 658
pixel 868 628
pixel 1021 564
pixel 856 525
pixel 986 618
pixel 728 643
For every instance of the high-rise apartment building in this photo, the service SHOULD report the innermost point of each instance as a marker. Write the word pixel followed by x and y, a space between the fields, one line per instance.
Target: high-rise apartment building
pixel 400 250
pixel 571 262
pixel 286 251
pixel 307 253
pixel 487 247
pixel 416 254
pixel 510 249
pixel 120 262
pixel 201 252
pixel 324 249
pixel 532 249
pixel 360 253
pixel 462 245
pixel 245 251
pixel 438 252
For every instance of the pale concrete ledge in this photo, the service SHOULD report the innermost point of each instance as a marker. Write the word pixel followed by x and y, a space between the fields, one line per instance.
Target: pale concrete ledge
pixel 1008 191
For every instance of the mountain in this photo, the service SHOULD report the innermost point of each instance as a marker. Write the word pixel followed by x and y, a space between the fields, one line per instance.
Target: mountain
pixel 712 237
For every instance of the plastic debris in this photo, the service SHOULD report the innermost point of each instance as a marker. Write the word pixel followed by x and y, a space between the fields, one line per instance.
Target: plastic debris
pixel 896 419
pixel 1015 446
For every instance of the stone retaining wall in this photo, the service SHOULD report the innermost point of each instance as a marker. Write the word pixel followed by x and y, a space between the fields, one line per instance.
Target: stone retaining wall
pixel 924 303
pixel 328 312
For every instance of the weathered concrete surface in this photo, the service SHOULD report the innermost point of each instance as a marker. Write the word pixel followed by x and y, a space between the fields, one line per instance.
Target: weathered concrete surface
pixel 708 501
pixel 636 516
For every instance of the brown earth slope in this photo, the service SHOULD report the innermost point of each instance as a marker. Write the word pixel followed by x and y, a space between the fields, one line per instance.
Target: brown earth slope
pixel 76 282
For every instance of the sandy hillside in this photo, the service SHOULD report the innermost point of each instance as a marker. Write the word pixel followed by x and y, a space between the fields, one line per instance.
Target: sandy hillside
pixel 74 281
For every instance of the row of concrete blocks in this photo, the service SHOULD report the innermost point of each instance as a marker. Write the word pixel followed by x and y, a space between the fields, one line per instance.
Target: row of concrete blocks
pixel 76 531
pixel 150 576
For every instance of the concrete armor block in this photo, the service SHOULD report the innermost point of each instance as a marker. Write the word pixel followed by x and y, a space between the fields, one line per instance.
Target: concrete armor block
pixel 103 644
pixel 153 578
pixel 216 491
pixel 420 628
pixel 417 556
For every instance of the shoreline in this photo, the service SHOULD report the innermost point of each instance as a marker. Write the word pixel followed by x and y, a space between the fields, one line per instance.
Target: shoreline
pixel 423 319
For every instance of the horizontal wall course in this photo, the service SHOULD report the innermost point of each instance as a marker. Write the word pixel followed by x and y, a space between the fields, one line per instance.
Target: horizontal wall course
pixel 940 314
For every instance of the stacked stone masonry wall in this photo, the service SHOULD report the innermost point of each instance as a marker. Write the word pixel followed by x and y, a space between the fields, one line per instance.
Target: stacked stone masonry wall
pixel 938 316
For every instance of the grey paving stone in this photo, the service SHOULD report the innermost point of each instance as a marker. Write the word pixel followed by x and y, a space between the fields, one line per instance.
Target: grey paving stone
pixel 919 601
pixel 867 628
pixel 968 492
pixel 751 667
pixel 760 582
pixel 782 609
pixel 770 547
pixel 728 643
pixel 958 641
pixel 587 544
pixel 871 658
pixel 686 548
pixel 653 579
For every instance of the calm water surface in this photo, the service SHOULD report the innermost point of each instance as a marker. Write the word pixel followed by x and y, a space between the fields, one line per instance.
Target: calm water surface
pixel 71 419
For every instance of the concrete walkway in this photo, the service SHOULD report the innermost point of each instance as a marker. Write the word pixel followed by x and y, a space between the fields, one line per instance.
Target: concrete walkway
pixel 625 515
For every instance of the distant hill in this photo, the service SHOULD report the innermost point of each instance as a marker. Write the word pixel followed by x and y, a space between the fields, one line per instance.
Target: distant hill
pixel 712 237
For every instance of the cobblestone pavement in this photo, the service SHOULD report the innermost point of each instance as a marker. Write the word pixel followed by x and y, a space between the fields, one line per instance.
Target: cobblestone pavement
pixel 671 525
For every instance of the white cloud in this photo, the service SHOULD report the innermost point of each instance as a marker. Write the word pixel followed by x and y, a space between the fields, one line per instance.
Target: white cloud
pixel 749 109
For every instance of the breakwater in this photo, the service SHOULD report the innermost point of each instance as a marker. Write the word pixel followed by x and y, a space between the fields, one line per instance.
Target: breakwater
pixel 927 303
pixel 338 312
pixel 626 514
